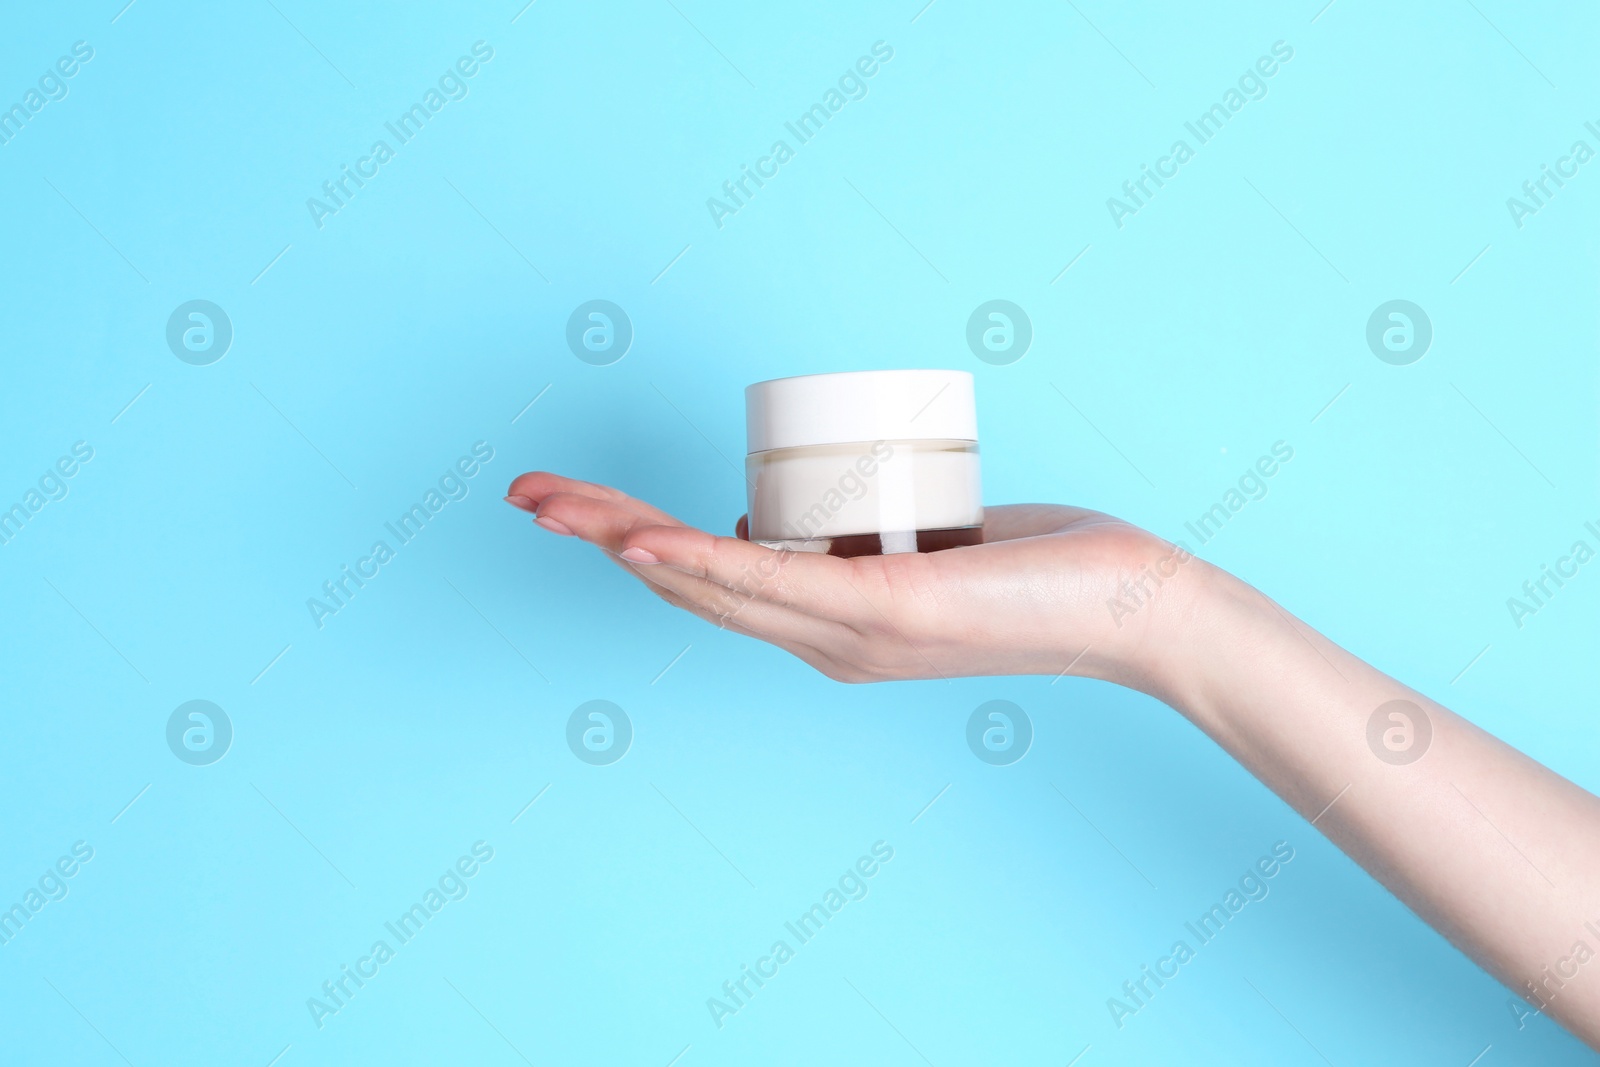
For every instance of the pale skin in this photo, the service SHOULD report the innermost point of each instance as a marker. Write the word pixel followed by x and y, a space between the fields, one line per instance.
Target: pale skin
pixel 1498 853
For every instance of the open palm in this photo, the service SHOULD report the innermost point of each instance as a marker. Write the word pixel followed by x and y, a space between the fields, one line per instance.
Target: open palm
pixel 1052 588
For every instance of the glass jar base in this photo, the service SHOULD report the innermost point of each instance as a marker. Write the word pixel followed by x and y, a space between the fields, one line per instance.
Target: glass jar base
pixel 852 545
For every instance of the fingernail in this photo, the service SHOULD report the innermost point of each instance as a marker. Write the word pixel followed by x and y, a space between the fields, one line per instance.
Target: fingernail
pixel 523 502
pixel 554 526
pixel 639 555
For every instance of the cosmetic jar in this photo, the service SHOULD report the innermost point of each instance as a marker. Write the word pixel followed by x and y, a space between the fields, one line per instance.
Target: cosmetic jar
pixel 864 463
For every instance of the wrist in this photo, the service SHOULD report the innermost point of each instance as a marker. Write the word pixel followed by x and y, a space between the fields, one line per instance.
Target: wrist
pixel 1190 636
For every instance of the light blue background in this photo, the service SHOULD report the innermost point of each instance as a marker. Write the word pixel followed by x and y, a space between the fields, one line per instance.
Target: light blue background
pixel 423 717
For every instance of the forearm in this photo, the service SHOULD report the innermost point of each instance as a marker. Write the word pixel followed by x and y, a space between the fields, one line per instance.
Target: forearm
pixel 1494 850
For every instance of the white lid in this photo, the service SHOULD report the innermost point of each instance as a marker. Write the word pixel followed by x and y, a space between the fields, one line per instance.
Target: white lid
pixel 866 405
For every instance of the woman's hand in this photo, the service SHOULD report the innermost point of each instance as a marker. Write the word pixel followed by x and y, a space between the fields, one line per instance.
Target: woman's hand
pixel 1051 589
pixel 1476 837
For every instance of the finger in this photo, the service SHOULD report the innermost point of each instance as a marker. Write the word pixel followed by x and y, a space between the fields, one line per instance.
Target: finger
pixel 609 525
pixel 812 656
pixel 749 619
pixel 733 610
pixel 800 580
pixel 530 490
pixel 671 596
pixel 600 522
